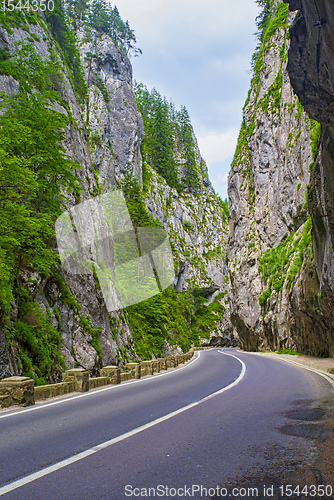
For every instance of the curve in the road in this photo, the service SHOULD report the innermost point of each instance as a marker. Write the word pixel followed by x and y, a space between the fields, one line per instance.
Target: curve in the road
pixel 79 456
pixel 104 389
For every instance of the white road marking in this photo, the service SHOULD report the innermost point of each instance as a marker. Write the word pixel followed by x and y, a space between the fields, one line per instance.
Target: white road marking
pixel 97 391
pixel 323 374
pixel 75 458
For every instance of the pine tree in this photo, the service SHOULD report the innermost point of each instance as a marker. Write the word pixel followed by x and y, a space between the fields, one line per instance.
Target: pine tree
pixel 162 156
pixel 190 181
pixel 98 16
pixel 76 11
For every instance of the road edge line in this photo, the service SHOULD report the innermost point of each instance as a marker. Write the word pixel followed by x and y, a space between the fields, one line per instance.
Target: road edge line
pixel 325 375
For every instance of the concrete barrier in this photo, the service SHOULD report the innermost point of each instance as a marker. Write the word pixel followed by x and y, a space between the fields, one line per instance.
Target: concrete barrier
pixel 52 390
pixel 16 391
pixel 80 378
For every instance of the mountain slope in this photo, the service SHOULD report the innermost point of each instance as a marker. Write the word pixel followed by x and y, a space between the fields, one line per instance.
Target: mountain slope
pixel 50 318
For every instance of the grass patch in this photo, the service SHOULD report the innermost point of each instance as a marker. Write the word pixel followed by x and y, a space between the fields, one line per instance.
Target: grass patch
pixel 288 351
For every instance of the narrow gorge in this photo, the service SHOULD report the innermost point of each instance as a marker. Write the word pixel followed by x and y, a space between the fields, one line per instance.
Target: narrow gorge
pixel 257 271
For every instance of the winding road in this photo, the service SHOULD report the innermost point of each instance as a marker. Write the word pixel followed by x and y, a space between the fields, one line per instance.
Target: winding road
pixel 227 424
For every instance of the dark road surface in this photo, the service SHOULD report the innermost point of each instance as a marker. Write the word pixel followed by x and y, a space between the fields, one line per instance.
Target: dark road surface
pixel 263 430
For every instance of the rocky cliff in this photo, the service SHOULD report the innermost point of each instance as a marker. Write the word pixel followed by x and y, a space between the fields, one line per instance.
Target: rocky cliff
pixel 103 138
pixel 310 67
pixel 281 253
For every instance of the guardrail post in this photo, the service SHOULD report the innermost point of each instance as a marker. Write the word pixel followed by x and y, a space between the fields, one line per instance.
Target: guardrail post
pixel 112 372
pixel 80 378
pixel 17 391
pixel 133 368
pixel 180 359
pixel 162 363
pixel 155 366
pixel 146 368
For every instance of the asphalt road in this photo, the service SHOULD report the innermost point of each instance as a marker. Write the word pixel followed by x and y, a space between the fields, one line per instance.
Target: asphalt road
pixel 262 431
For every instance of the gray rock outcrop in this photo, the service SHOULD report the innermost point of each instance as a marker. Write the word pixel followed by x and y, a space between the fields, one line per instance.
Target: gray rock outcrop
pixel 279 298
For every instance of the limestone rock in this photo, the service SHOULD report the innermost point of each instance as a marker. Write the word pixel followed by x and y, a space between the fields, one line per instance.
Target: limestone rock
pixel 269 209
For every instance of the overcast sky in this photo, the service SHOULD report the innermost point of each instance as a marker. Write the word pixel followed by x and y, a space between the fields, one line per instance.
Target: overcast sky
pixel 198 54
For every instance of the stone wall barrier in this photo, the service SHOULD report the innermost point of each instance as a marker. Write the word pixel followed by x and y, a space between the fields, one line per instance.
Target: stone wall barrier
pixel 21 390
pixel 52 390
pixel 126 376
pixel 146 368
pixel 155 366
pixel 162 363
pixel 134 369
pixel 180 359
pixel 80 378
pixel 112 372
pixel 96 382
pixel 170 362
pixel 16 391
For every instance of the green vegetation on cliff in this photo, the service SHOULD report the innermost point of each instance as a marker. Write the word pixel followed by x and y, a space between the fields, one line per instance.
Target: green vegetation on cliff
pixel 36 176
pixel 275 141
pixel 282 263
pixel 181 319
pixel 64 37
pixel 38 181
pixel 272 18
pixel 100 16
pixel 35 172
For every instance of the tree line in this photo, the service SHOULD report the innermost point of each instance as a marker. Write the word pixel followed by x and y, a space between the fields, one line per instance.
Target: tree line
pixel 168 145
pixel 101 16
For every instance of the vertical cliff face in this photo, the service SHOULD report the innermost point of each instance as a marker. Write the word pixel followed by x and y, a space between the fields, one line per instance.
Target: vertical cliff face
pixel 103 137
pixel 114 123
pixel 310 68
pixel 277 299
pixel 72 303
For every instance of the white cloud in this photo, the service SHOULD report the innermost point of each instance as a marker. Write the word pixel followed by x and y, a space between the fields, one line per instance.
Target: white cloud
pixel 216 147
pixel 220 179
pixel 209 19
pixel 198 54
